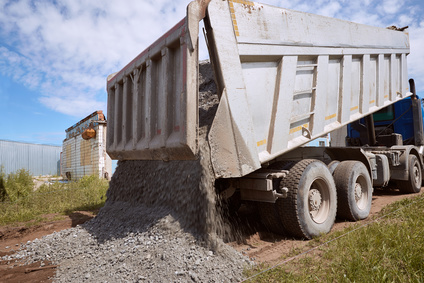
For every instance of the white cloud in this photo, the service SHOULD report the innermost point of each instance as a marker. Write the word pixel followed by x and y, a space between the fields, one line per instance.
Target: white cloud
pixel 330 9
pixel 82 104
pixel 67 48
pixel 404 20
pixel 390 6
pixel 416 58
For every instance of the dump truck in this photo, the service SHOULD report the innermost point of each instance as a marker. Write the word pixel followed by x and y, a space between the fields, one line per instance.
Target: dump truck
pixel 284 78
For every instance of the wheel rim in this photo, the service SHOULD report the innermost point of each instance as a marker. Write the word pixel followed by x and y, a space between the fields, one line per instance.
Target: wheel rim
pixel 417 175
pixel 361 192
pixel 319 201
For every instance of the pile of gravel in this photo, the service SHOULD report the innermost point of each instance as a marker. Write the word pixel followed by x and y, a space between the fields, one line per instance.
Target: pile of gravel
pixel 127 248
pixel 160 223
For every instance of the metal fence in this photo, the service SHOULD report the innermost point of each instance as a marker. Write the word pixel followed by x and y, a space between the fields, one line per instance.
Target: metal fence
pixel 38 159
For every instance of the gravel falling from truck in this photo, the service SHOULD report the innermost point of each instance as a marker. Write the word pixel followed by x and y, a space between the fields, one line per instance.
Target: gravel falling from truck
pixel 184 189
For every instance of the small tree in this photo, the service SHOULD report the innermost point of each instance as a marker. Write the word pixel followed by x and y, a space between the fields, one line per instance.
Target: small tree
pixel 19 184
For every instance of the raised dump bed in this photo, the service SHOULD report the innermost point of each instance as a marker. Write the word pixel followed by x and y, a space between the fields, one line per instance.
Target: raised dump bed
pixel 284 78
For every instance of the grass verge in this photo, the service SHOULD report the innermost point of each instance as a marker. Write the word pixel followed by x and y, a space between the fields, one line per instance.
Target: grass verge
pixel 389 249
pixel 89 193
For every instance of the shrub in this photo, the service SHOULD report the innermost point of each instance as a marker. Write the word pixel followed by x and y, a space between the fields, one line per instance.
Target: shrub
pixel 19 185
pixel 92 181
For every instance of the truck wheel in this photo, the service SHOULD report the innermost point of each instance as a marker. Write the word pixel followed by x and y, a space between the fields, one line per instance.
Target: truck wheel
pixel 413 185
pixel 311 204
pixel 333 165
pixel 354 190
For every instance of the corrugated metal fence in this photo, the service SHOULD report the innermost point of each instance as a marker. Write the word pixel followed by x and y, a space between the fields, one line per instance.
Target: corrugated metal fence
pixel 39 159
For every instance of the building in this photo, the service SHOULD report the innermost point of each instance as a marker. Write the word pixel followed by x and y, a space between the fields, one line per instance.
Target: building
pixel 38 159
pixel 84 149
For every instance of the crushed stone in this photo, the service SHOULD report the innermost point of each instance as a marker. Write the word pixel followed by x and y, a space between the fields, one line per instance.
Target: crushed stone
pixel 156 250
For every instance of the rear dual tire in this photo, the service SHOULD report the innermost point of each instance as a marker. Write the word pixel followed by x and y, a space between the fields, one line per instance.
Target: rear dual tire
pixel 315 196
pixel 354 190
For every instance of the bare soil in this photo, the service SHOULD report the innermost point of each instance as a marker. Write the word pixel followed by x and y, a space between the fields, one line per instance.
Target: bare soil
pixel 255 242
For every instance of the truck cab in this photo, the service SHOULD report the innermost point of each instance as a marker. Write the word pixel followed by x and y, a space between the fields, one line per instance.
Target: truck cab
pixel 394 125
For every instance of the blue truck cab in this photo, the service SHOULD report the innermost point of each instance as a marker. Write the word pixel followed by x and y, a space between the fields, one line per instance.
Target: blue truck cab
pixel 394 125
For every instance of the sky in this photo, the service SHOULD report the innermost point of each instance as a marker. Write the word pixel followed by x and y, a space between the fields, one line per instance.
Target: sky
pixel 55 55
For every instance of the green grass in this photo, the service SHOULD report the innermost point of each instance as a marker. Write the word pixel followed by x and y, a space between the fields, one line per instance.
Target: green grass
pixel 391 249
pixel 89 193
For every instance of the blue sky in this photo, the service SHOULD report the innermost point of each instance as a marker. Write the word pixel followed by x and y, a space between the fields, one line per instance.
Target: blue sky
pixel 55 56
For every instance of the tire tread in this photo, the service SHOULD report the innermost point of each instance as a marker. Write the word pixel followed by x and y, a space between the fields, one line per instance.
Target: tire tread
pixel 344 210
pixel 407 187
pixel 287 207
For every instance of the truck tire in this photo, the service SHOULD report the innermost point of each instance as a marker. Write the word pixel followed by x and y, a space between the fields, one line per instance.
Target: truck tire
pixel 354 190
pixel 311 204
pixel 413 184
pixel 270 218
pixel 333 165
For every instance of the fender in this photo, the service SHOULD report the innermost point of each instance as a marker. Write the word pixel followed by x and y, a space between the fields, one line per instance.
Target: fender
pixel 401 172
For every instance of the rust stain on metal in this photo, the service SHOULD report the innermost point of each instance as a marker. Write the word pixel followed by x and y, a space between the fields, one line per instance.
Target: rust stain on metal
pixel 88 122
pixel 85 152
pixel 89 133
pixel 68 156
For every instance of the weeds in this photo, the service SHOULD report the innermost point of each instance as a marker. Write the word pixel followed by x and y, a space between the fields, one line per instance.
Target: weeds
pixel 19 185
pixel 89 193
